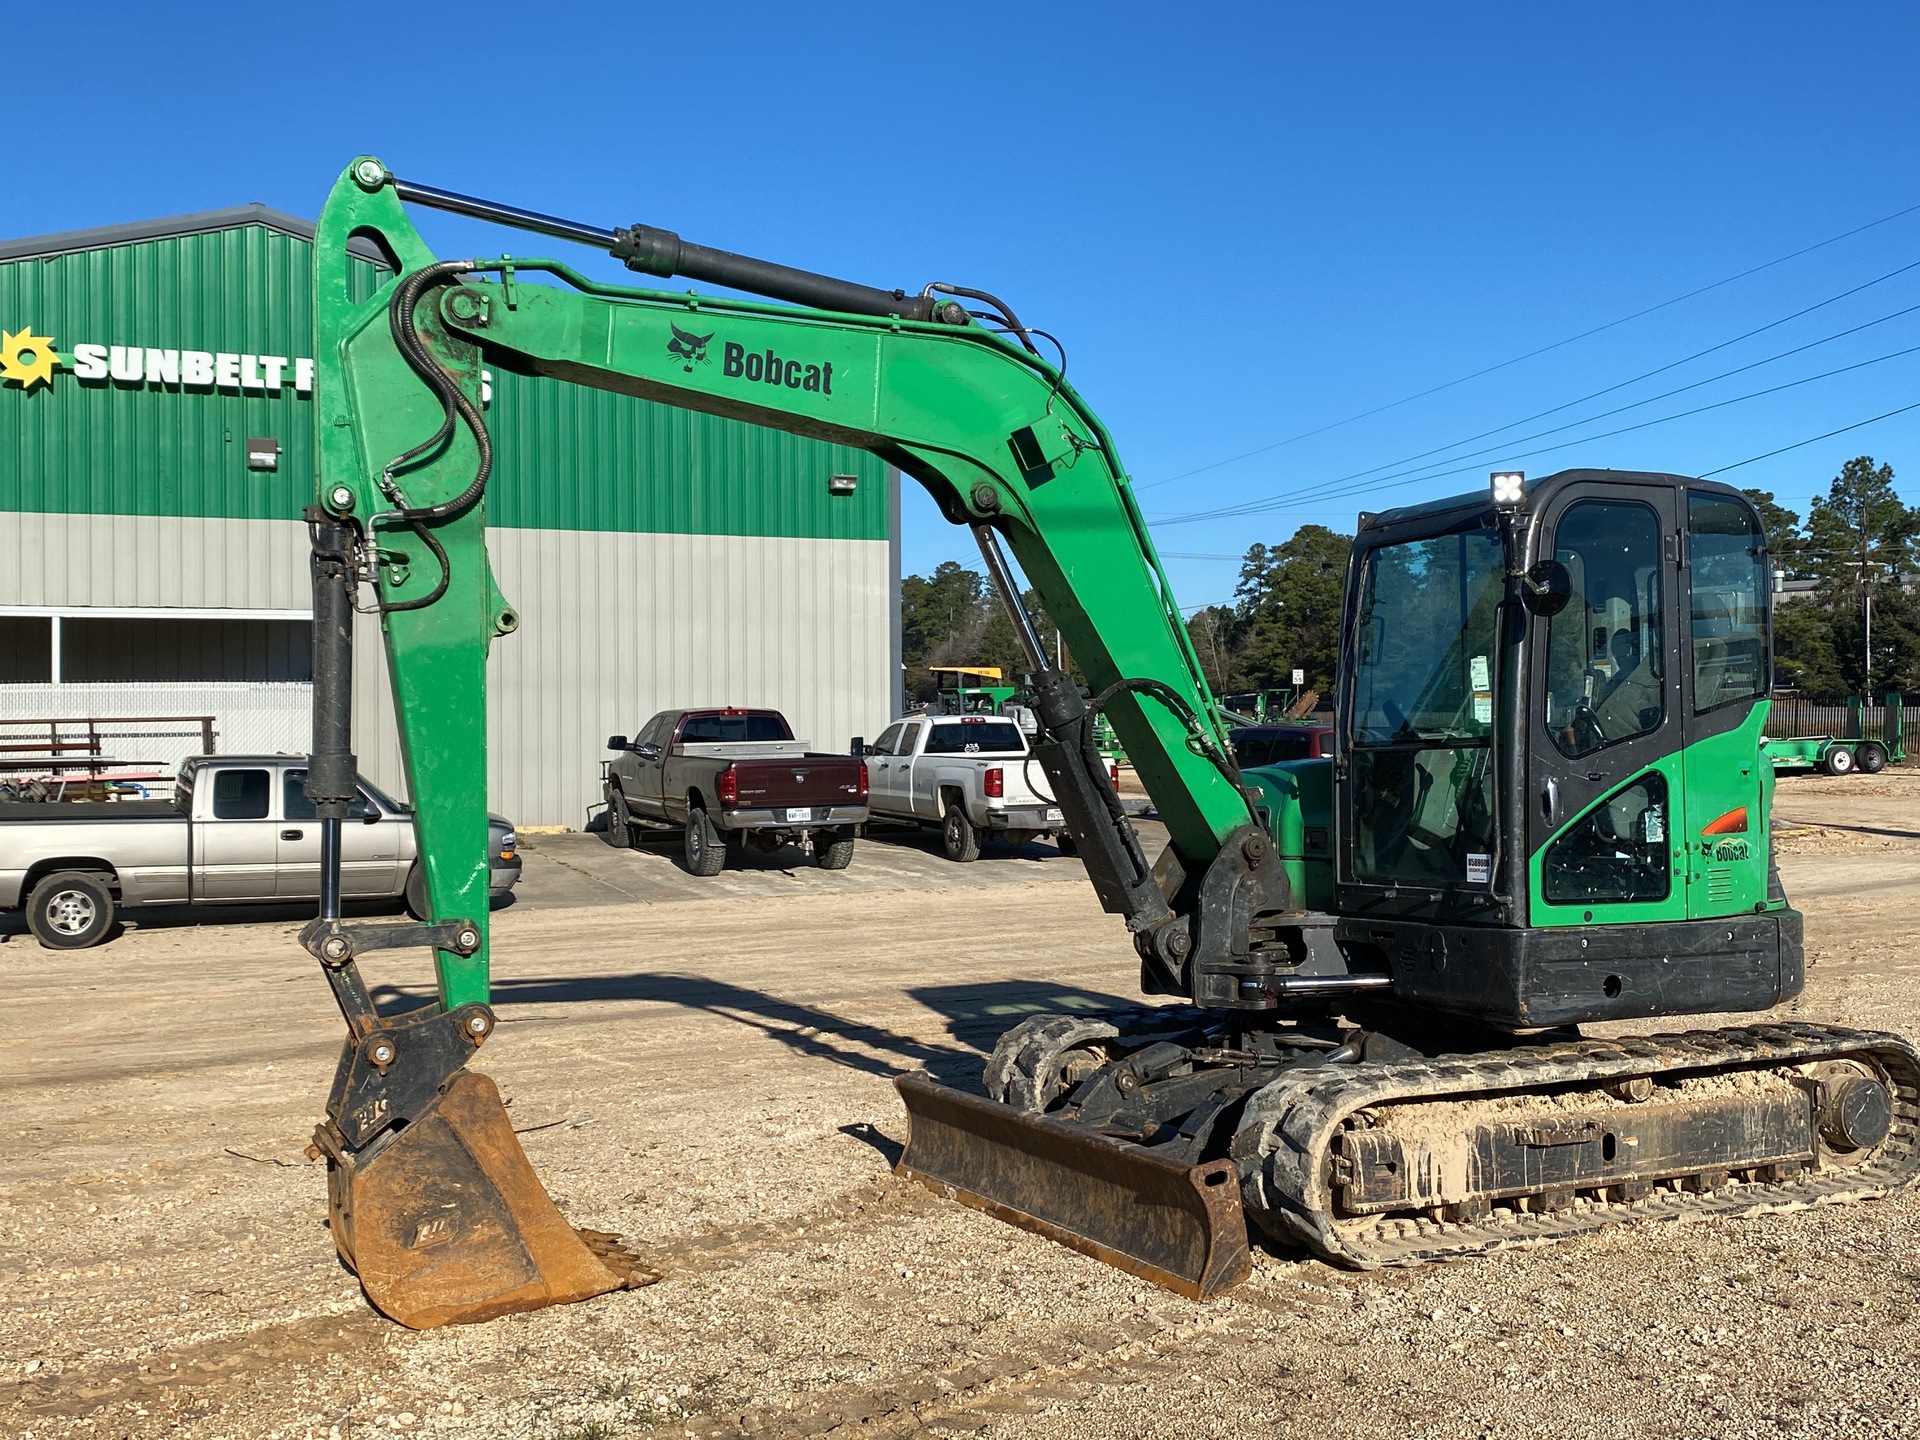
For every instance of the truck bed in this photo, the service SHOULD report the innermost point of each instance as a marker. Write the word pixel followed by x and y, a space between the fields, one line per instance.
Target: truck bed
pixel 43 812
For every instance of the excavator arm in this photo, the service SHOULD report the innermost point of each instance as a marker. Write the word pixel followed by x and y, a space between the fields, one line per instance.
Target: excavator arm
pixel 958 399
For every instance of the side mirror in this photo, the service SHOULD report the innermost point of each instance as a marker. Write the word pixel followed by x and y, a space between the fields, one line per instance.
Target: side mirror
pixel 616 742
pixel 1547 587
pixel 372 817
pixel 859 745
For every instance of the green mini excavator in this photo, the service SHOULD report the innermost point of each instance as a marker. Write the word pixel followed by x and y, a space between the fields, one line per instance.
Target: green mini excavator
pixel 1546 808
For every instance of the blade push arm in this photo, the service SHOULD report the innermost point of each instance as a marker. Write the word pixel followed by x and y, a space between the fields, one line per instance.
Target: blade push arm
pixel 991 430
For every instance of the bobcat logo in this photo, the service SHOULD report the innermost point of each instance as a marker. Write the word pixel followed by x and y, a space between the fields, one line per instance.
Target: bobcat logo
pixel 690 348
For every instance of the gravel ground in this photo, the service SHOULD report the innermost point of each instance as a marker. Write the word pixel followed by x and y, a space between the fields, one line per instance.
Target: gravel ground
pixel 711 1078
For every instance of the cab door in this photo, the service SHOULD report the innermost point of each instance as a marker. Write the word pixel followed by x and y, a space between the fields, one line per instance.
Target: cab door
pixel 1727 680
pixel 1606 724
pixel 235 845
pixel 369 845
pixel 880 768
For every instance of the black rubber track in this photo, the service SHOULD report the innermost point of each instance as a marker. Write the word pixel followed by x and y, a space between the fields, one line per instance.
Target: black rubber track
pixel 1283 1145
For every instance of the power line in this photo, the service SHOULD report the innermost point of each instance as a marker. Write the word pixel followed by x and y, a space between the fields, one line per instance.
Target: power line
pixel 1421 472
pixel 1813 440
pixel 1390 482
pixel 1531 354
pixel 1605 390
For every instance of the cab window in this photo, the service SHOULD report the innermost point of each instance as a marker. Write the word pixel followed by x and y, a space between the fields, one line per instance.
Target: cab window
pixel 240 794
pixel 294 804
pixel 1617 852
pixel 1727 554
pixel 1606 676
pixel 889 737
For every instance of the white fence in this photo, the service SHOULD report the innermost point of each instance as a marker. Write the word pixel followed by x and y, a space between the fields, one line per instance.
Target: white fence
pixel 249 717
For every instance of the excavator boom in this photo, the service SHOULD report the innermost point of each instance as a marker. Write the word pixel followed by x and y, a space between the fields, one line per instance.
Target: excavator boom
pixel 433 1202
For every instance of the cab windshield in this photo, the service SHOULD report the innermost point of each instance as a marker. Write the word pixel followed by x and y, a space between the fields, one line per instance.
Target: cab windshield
pixel 1423 710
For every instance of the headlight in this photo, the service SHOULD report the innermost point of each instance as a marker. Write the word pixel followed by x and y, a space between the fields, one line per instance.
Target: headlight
pixel 509 842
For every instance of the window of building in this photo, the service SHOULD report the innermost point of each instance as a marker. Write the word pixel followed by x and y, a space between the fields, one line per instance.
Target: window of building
pixel 26 649
pixel 123 648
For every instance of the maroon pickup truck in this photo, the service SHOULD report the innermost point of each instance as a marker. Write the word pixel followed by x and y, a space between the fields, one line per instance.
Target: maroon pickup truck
pixel 732 777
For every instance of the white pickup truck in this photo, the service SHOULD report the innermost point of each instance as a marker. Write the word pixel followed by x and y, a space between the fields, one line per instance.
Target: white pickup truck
pixel 968 774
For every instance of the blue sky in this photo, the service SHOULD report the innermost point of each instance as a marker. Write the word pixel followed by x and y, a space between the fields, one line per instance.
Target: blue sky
pixel 1245 222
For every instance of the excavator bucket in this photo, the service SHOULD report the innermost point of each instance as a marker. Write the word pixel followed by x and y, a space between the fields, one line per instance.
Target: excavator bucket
pixel 1177 1225
pixel 446 1223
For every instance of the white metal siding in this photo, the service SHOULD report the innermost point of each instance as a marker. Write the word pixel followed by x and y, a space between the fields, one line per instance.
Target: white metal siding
pixel 617 626
pixel 153 560
pixel 614 626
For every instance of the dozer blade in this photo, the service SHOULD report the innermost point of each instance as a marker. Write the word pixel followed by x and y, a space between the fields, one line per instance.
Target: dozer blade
pixel 446 1223
pixel 1177 1225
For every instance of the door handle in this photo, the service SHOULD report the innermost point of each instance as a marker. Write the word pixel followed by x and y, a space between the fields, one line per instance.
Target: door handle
pixel 292 834
pixel 1550 798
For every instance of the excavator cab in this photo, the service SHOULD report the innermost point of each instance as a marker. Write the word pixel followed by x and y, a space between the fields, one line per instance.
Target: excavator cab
pixel 1545 710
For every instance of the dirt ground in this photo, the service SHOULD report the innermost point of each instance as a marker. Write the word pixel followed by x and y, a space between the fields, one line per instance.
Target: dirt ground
pixel 708 1072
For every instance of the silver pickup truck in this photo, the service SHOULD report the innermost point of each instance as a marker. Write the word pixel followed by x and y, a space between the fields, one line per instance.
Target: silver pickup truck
pixel 237 831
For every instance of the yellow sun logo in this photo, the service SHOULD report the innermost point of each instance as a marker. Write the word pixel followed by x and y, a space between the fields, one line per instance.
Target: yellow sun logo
pixel 27 359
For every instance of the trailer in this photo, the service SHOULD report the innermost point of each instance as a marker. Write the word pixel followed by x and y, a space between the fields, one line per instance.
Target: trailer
pixel 1827 753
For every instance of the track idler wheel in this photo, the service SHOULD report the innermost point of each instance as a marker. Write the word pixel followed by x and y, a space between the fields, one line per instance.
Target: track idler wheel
pixel 445 1222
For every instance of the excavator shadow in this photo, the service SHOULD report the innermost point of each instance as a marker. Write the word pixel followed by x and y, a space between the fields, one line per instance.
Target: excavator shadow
pixel 975 1016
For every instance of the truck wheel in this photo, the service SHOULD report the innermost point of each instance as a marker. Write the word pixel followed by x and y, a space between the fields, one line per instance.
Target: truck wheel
pixel 1871 756
pixel 70 910
pixel 833 849
pixel 706 852
pixel 619 832
pixel 417 893
pixel 1837 761
pixel 957 835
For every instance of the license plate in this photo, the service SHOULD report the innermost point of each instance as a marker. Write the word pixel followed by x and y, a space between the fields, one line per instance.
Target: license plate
pixel 1053 817
pixel 805 812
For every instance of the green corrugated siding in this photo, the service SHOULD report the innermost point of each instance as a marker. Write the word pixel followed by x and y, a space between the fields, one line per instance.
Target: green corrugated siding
pixel 577 459
pixel 569 458
pixel 107 448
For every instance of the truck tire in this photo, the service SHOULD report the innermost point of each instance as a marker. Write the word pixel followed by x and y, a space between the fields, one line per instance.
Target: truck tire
pixel 957 835
pixel 619 832
pixel 70 910
pixel 706 852
pixel 833 849
pixel 1871 756
pixel 417 893
pixel 1837 761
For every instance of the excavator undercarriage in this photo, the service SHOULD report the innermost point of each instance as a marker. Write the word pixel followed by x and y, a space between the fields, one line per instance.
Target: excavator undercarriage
pixel 1150 1140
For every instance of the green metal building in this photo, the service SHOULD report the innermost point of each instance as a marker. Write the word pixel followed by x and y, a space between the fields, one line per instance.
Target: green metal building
pixel 156 452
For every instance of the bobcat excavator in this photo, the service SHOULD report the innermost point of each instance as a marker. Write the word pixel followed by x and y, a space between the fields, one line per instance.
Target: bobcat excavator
pixel 1546 809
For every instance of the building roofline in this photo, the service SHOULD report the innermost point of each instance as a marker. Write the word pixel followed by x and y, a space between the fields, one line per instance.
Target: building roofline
pixel 200 222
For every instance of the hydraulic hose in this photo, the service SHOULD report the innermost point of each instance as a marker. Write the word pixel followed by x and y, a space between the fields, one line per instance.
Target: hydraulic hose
pixel 456 407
